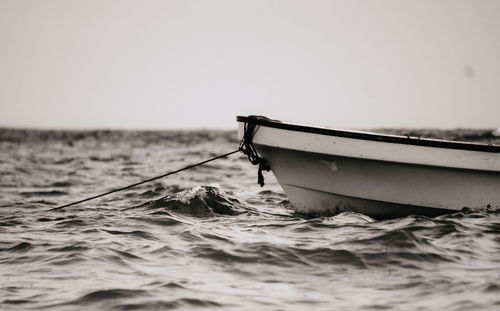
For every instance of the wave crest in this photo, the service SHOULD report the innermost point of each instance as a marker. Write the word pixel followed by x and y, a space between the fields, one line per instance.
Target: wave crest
pixel 202 201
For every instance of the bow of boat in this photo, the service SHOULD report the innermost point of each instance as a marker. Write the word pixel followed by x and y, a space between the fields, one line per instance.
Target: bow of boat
pixel 327 171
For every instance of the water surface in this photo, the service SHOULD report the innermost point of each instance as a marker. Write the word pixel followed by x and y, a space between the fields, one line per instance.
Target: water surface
pixel 211 238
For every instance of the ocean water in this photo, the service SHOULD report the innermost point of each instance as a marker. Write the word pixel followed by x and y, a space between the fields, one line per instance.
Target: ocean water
pixel 211 238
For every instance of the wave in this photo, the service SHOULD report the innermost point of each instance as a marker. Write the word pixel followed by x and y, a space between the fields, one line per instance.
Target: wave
pixel 135 233
pixel 332 256
pixel 21 247
pixel 75 247
pixel 43 193
pixel 100 295
pixel 248 253
pixel 202 201
pixel 62 184
pixel 168 305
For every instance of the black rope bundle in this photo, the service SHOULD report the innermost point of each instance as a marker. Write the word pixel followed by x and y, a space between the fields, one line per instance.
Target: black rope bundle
pixel 247 148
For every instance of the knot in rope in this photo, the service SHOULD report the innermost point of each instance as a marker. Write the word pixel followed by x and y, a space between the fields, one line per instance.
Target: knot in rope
pixel 248 149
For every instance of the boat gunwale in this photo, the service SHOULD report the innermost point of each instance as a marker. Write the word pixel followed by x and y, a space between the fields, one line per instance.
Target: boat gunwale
pixel 428 142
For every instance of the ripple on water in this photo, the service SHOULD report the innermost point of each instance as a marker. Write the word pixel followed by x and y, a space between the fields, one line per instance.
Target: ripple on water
pixel 21 247
pixel 108 294
pixel 249 253
pixel 323 255
pixel 62 184
pixel 187 303
pixel 29 194
pixel 75 247
pixel 134 234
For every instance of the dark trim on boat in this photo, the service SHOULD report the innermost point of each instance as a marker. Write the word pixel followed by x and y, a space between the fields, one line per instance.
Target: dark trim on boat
pixel 260 120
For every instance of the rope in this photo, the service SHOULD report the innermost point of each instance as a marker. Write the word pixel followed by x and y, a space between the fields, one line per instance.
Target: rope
pixel 247 148
pixel 144 181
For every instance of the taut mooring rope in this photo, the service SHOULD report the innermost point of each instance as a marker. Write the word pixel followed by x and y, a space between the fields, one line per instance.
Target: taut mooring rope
pixel 246 147
pixel 145 181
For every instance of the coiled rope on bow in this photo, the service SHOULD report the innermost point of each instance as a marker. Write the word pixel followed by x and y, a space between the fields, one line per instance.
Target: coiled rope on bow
pixel 246 146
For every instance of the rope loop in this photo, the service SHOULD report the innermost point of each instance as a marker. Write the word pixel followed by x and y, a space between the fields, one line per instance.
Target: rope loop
pixel 249 150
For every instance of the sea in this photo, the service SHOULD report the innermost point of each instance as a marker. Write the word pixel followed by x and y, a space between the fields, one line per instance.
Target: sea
pixel 211 238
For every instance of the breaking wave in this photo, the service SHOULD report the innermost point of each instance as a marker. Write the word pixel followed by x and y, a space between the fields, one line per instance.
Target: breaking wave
pixel 202 201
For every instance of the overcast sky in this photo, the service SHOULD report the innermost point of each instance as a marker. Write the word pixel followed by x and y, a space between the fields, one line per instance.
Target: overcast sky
pixel 198 64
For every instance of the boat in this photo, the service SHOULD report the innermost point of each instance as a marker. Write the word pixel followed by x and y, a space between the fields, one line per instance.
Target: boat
pixel 326 171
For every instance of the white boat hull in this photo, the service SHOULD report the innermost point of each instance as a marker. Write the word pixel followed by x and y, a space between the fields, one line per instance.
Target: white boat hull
pixel 326 174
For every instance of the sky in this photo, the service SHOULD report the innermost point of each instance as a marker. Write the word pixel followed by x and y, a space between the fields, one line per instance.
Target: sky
pixel 198 64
